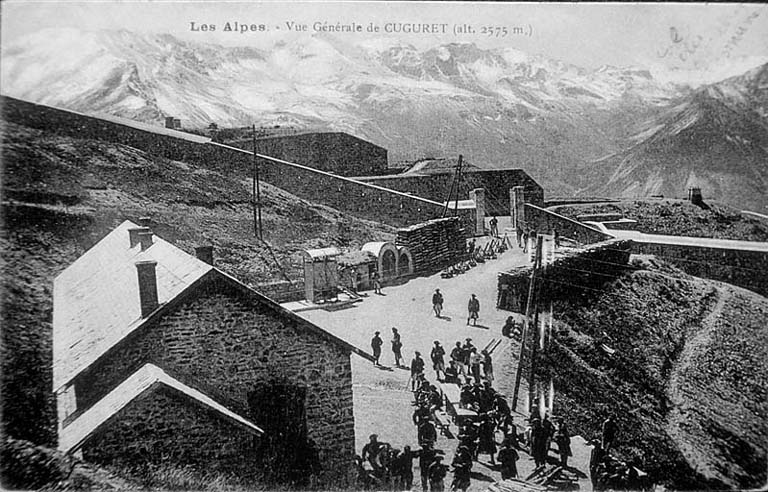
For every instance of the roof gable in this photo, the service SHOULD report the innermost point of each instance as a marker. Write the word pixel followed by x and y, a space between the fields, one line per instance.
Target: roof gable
pixel 96 299
pixel 145 379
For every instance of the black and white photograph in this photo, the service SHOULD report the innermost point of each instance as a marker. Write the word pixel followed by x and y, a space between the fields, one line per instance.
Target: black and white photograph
pixel 383 246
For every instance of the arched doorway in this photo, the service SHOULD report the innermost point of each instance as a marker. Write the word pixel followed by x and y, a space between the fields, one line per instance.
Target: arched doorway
pixel 389 264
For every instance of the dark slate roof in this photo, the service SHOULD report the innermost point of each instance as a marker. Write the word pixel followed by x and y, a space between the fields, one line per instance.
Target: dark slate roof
pixel 96 299
pixel 145 379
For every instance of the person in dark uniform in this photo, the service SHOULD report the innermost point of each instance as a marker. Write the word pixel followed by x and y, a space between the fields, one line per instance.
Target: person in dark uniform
pixel 426 433
pixel 397 346
pixel 406 468
pixel 473 307
pixel 438 361
pixel 462 472
pixel 595 459
pixel 437 302
pixel 371 451
pixel 437 471
pixel 487 444
pixel 563 440
pixel 427 455
pixel 508 458
pixel 376 343
pixel 494 227
pixel 417 369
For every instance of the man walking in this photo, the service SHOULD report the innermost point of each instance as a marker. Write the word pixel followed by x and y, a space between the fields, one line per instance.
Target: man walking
pixel 437 302
pixel 376 343
pixel 438 362
pixel 397 345
pixel 474 309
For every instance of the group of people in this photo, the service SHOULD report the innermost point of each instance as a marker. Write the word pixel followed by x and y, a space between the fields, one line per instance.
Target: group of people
pixel 392 469
pixel 473 306
pixel 397 348
pixel 466 363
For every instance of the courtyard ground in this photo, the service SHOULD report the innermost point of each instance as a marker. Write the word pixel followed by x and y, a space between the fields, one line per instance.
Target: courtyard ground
pixel 382 397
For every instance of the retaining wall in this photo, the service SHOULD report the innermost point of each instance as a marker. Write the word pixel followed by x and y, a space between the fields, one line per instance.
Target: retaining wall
pixel 587 268
pixel 363 200
pixel 545 222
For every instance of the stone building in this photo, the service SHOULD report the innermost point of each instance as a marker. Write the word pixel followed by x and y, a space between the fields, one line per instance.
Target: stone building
pixel 336 152
pixel 159 356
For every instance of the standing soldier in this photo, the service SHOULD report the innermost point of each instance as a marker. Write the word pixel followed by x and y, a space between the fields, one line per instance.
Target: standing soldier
pixel 519 232
pixel 376 283
pixel 376 343
pixel 457 356
pixel 474 309
pixel 437 302
pixel 508 459
pixel 494 227
pixel 397 345
pixel 563 440
pixel 417 369
pixel 438 363
pixel 437 471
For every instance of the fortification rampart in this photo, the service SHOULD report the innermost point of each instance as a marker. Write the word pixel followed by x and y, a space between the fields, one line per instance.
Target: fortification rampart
pixel 495 182
pixel 587 268
pixel 546 222
pixel 363 200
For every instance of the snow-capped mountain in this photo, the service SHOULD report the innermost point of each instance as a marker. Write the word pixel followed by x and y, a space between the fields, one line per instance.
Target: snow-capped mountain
pixel 499 107
pixel 716 138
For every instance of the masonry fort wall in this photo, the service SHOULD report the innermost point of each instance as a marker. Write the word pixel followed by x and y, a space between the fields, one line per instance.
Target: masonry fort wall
pixel 224 345
pixel 570 273
pixel 362 200
pixel 496 184
pixel 335 152
pixel 173 429
pixel 742 267
pixel 545 222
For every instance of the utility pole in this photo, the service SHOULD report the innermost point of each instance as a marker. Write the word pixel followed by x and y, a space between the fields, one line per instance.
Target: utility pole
pixel 256 192
pixel 526 327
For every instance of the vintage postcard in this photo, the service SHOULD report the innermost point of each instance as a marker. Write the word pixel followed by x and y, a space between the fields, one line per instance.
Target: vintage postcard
pixel 466 246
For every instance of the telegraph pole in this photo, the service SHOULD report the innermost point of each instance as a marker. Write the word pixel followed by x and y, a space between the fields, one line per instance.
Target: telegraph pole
pixel 256 193
pixel 526 327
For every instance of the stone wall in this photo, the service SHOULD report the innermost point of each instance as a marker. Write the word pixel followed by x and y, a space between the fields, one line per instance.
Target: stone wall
pixel 545 221
pixel 362 200
pixel 434 244
pixel 338 153
pixel 495 182
pixel 571 273
pixel 283 290
pixel 747 269
pixel 163 426
pixel 224 345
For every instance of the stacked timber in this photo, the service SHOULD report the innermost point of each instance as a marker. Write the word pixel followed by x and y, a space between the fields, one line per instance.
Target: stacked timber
pixel 434 244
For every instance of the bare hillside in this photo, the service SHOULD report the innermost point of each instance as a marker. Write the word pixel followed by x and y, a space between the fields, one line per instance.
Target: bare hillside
pixel 687 383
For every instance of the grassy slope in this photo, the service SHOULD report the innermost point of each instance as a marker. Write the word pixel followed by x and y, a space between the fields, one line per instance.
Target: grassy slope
pixel 680 218
pixel 687 383
pixel 61 195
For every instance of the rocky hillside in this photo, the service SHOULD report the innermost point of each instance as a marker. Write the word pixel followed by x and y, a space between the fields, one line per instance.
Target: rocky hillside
pixel 687 383
pixel 61 195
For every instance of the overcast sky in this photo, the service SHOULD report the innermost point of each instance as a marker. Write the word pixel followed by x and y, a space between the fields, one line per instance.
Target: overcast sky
pixel 699 37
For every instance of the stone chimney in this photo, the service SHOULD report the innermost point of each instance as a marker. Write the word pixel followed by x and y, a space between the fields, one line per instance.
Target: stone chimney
pixel 145 238
pixel 147 286
pixel 133 234
pixel 204 254
pixel 145 221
